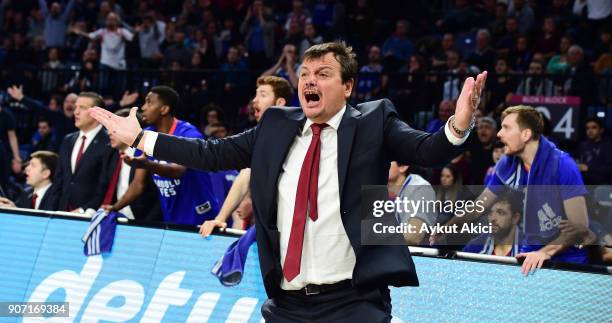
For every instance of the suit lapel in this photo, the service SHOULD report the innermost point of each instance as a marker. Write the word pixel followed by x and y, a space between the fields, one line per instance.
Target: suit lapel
pixel 346 134
pixel 284 135
pixel 87 153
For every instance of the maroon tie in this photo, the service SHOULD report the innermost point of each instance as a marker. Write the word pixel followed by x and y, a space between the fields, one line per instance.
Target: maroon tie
pixel 305 201
pixel 34 197
pixel 80 153
pixel 110 190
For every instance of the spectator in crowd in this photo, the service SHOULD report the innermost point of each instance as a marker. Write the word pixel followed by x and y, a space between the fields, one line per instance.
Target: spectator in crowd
pixel 150 36
pixel 532 159
pixel 361 20
pixel 186 195
pixel 44 138
pixel 460 18
pixel 439 58
pixel 9 146
pixel 219 130
pixel 298 15
pixel 500 85
pixel 445 110
pixel 535 83
pixel 523 13
pixel 595 154
pixel 521 55
pixel 39 177
pixel 212 114
pixel 411 91
pixel 507 41
pixel 603 65
pixel 146 207
pixel 258 33
pixel 558 63
pixel 56 22
pixel 228 36
pixel 50 74
pixel 504 217
pixel 398 47
pixel 286 66
pixel 63 120
pixel 579 81
pixel 481 149
pixel 497 26
pixel 412 187
pixel 372 82
pixel 177 52
pixel 271 91
pixel 451 188
pixel 328 16
pixel 235 80
pixel 498 152
pixel 113 39
pixel 548 40
pixel 484 56
pixel 79 180
pixel 76 44
pixel 310 38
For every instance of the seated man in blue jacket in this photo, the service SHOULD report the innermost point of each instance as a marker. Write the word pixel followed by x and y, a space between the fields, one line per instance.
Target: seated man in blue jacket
pixel 504 217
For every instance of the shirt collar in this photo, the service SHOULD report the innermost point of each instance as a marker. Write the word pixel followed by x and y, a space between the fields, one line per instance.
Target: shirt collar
pixel 41 191
pixel 91 134
pixel 334 122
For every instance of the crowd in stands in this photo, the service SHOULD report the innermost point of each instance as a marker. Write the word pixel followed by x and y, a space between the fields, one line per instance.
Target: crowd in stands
pixel 56 56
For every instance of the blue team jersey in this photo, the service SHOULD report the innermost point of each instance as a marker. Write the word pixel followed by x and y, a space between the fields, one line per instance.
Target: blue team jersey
pixel 190 199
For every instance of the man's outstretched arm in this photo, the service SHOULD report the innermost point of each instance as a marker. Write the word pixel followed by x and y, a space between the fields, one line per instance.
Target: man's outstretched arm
pixel 230 153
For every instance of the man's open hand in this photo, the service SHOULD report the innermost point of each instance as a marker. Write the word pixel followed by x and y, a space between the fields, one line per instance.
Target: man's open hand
pixel 125 129
pixel 533 260
pixel 468 100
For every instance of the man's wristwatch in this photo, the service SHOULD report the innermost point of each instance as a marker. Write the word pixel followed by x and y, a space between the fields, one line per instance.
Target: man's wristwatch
pixel 463 132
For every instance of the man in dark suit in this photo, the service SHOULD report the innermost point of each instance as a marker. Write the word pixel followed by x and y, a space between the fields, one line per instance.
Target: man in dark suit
pixel 79 181
pixel 39 174
pixel 308 166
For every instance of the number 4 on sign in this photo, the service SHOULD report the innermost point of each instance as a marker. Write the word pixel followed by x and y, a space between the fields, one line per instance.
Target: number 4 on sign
pixel 564 125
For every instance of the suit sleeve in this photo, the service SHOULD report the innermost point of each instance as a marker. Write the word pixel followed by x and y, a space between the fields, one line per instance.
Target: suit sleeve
pixel 415 147
pixel 210 155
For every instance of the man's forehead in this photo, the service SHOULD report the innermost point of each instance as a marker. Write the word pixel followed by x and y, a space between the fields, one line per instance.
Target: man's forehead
pixel 327 60
pixel 264 88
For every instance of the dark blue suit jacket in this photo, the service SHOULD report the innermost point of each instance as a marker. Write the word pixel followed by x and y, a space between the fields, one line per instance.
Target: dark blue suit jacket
pixel 369 138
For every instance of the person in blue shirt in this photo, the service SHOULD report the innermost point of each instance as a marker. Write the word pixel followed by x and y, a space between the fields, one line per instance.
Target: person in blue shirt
pixel 187 196
pixel 551 185
pixel 504 217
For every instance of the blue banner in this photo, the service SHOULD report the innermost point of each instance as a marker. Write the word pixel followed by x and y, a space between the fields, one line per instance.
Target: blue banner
pixel 164 275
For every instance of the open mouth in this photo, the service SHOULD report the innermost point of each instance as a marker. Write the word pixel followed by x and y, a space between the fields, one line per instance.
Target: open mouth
pixel 312 98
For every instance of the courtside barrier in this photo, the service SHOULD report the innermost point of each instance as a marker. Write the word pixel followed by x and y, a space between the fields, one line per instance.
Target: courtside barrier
pixel 163 274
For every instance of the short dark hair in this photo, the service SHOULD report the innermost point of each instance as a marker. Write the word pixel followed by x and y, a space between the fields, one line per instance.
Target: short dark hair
pixel 597 120
pixel 527 118
pixel 280 87
pixel 343 54
pixel 45 119
pixel 48 159
pixel 168 96
pixel 512 199
pixel 97 99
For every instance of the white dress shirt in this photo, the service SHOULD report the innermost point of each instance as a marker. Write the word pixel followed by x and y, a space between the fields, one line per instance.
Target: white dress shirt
pixel 77 145
pixel 124 182
pixel 40 193
pixel 327 254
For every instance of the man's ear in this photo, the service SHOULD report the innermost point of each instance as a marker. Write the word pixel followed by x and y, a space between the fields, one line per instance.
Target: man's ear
pixel 280 102
pixel 348 87
pixel 526 134
pixel 46 173
pixel 165 109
